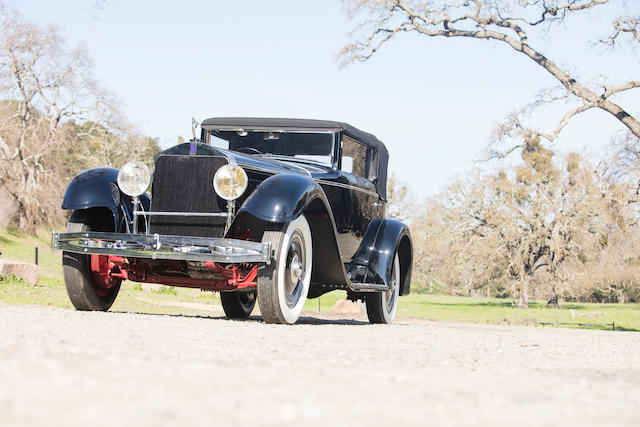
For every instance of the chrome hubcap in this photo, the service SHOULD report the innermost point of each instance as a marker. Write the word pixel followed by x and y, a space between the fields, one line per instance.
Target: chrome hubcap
pixel 294 269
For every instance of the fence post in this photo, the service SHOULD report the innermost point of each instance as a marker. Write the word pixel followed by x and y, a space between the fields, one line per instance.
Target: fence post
pixel 36 255
pixel 613 326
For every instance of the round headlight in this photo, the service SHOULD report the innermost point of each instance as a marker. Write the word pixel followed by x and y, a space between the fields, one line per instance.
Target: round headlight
pixel 134 179
pixel 230 181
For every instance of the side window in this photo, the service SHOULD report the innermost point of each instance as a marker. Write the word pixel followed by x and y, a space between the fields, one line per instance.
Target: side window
pixel 372 162
pixel 354 157
pixel 358 159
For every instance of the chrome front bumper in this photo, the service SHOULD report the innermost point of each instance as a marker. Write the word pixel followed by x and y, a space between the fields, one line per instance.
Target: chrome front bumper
pixel 156 246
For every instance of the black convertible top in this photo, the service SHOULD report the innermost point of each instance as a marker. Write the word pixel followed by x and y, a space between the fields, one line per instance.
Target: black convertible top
pixel 260 123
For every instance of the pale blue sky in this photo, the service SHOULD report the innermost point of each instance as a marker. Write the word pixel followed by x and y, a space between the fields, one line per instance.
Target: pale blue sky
pixel 433 102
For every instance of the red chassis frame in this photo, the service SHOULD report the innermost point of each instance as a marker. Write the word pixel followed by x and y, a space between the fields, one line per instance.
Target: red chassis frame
pixel 109 267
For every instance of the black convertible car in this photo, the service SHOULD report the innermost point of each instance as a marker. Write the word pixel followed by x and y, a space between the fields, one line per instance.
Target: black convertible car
pixel 273 210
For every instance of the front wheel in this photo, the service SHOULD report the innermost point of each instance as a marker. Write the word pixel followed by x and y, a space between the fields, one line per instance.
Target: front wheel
pixel 283 285
pixel 87 278
pixel 381 306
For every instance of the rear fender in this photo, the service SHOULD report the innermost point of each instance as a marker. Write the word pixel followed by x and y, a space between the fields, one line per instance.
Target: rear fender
pixel 373 262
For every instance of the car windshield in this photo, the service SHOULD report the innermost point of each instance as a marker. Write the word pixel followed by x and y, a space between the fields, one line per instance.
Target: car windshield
pixel 300 146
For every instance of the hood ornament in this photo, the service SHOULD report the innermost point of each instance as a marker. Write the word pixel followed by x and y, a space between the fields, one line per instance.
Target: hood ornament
pixel 194 125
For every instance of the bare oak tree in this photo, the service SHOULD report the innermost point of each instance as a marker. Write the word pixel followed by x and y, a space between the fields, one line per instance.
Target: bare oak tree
pixel 42 84
pixel 509 22
pixel 548 229
pixel 51 111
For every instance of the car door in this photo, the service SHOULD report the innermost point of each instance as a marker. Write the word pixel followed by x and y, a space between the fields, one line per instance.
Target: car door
pixel 352 195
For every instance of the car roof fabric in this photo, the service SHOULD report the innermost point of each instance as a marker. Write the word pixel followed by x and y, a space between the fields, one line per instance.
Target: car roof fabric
pixel 309 124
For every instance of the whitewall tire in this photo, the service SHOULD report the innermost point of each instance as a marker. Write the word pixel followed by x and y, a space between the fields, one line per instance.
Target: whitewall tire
pixel 283 285
pixel 381 306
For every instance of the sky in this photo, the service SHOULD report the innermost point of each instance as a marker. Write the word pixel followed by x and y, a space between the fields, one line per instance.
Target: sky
pixel 433 102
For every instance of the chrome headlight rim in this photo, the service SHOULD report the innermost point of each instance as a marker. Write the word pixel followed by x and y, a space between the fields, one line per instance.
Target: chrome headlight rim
pixel 137 172
pixel 240 186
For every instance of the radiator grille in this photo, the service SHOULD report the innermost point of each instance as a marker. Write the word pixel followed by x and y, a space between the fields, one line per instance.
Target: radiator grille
pixel 185 184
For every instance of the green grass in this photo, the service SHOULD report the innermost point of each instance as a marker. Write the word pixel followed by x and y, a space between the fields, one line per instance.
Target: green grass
pixel 324 303
pixel 132 298
pixel 49 292
pixel 501 311
pixel 21 247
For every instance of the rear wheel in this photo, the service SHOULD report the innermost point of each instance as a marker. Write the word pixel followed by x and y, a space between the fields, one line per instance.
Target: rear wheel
pixel 87 277
pixel 238 305
pixel 283 285
pixel 381 306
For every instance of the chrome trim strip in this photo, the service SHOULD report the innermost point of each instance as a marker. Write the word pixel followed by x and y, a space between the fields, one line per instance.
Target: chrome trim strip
pixel 273 171
pixel 295 167
pixel 163 247
pixel 319 181
pixel 347 186
pixel 257 169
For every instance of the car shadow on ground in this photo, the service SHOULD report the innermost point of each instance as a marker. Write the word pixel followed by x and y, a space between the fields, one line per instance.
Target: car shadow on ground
pixel 304 320
pixel 308 320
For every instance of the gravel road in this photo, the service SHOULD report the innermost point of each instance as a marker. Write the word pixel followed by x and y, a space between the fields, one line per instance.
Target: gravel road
pixel 62 367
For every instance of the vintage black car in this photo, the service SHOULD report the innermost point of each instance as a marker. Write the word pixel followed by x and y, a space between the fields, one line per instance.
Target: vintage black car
pixel 278 210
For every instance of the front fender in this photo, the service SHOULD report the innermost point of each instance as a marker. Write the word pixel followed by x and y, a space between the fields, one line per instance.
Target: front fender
pixel 282 198
pixel 373 262
pixel 98 187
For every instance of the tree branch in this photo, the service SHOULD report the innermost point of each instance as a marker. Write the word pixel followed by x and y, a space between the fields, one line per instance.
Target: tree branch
pixel 617 89
pixel 563 123
pixel 486 19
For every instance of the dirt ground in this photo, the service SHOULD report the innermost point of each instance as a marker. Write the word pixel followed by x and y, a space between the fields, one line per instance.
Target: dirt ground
pixel 62 367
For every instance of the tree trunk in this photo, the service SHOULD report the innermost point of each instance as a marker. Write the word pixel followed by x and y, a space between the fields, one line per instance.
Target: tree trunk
pixel 553 302
pixel 524 294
